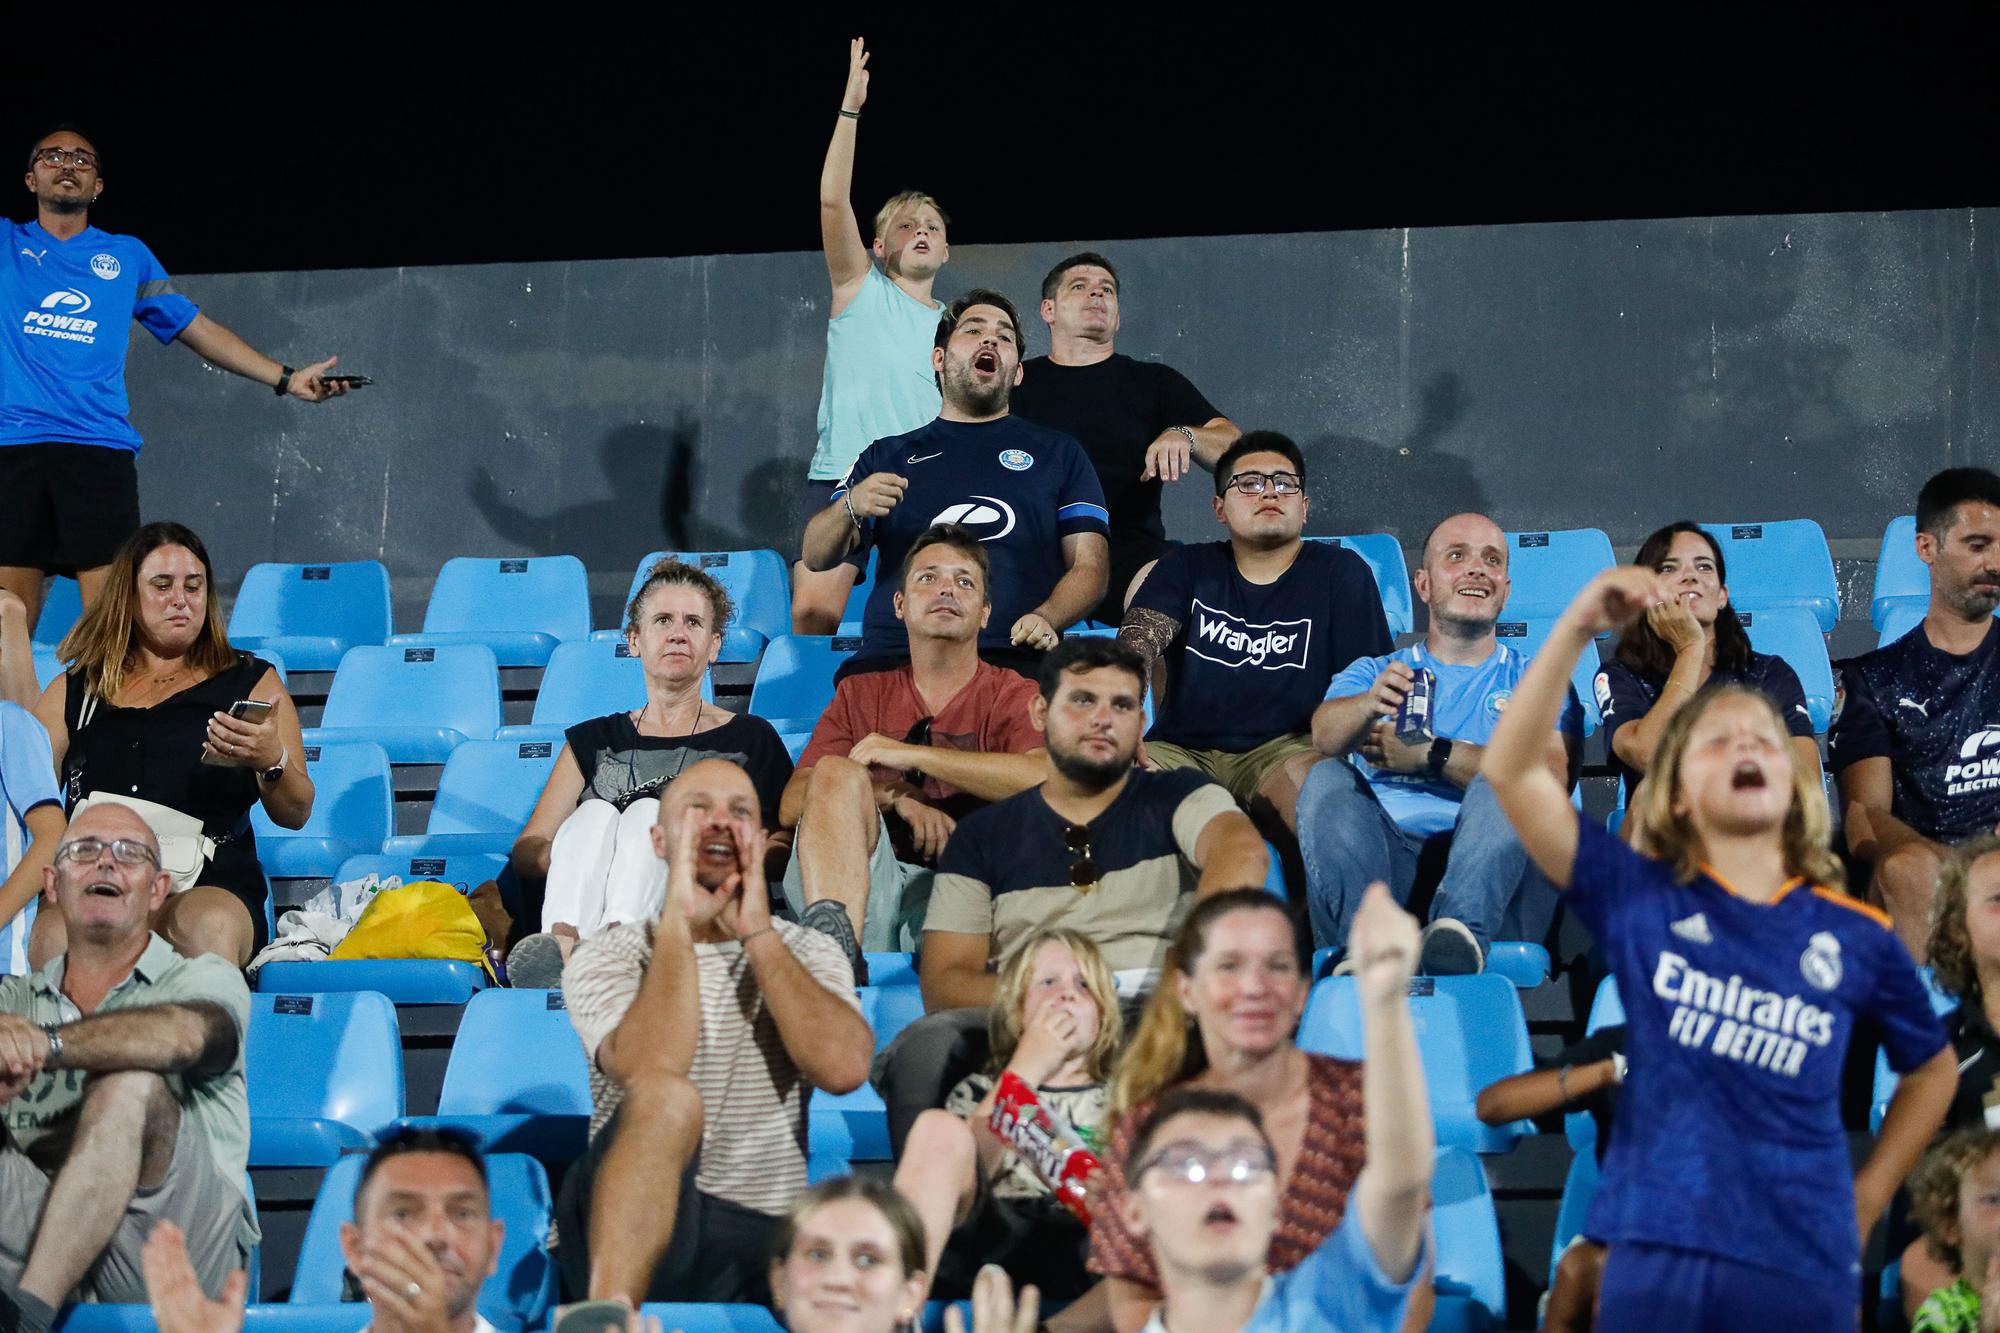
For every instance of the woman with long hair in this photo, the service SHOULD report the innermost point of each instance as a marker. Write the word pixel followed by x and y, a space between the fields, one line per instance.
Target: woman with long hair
pixel 1728 1199
pixel 143 716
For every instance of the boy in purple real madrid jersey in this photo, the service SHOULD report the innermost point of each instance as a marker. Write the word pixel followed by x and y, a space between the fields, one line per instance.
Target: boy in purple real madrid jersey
pixel 1728 1199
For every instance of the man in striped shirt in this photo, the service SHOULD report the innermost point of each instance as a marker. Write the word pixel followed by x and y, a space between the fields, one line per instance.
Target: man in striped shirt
pixel 704 1031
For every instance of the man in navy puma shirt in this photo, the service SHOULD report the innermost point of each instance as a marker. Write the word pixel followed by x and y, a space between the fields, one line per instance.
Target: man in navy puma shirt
pixel 1029 493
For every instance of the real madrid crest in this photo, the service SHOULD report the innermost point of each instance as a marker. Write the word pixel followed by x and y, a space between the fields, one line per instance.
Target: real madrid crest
pixel 1820 963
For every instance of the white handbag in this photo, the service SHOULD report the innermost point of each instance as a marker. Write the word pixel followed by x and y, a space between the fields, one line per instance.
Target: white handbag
pixel 185 850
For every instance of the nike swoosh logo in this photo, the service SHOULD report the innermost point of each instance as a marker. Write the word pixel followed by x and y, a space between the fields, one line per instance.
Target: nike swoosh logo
pixel 918 458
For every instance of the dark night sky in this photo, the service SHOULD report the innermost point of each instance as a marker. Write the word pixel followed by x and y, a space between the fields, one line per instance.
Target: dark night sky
pixel 254 141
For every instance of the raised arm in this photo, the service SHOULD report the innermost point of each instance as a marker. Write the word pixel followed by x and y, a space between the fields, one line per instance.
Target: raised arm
pixel 225 351
pixel 847 260
pixel 660 1029
pixel 1673 622
pixel 1516 760
pixel 530 857
pixel 1393 1190
pixel 836 529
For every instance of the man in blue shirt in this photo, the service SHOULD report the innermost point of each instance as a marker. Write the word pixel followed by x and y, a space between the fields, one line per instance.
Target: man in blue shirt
pixel 1029 494
pixel 1368 820
pixel 1252 631
pixel 69 483
pixel 31 824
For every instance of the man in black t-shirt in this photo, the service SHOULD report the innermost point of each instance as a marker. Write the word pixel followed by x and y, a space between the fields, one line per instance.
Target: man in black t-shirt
pixel 1252 631
pixel 1915 741
pixel 1142 423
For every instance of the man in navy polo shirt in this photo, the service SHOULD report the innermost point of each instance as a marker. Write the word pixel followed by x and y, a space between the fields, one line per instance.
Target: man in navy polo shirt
pixel 1030 494
pixel 69 481
pixel 1251 631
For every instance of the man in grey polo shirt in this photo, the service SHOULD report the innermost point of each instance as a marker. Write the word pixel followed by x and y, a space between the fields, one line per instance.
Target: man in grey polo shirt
pixel 121 1090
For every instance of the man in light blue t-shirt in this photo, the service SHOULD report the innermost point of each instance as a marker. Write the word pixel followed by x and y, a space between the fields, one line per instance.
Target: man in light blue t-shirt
pixel 1368 819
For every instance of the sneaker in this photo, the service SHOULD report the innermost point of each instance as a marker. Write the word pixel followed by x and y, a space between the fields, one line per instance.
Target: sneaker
pixel 536 963
pixel 1447 948
pixel 1343 968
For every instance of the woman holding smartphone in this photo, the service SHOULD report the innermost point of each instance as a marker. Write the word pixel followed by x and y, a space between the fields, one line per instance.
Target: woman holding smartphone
pixel 156 710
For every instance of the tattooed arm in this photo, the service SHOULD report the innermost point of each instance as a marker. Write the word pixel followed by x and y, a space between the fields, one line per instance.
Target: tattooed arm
pixel 1148 633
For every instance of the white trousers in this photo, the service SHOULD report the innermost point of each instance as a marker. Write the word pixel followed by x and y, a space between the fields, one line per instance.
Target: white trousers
pixel 602 868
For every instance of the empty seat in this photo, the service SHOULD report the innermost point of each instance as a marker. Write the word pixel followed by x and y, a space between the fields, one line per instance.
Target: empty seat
pixel 688 1318
pixel 1528 636
pixel 758 582
pixel 312 614
pixel 401 980
pixel 1792 633
pixel 324 1075
pixel 416 703
pixel 1780 564
pixel 1901 578
pixel 857 597
pixel 1467 1228
pixel 62 604
pixel 484 797
pixel 587 679
pixel 1548 569
pixel 520 608
pixel 354 809
pixel 464 871
pixel 1898 619
pixel 795 680
pixel 1526 965
pixel 1470 1030
pixel 517 1076
pixel 853 1126
pixel 1384 555
pixel 519 1295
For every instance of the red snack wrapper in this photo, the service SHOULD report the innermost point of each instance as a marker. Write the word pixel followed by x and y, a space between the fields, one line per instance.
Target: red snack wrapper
pixel 1050 1145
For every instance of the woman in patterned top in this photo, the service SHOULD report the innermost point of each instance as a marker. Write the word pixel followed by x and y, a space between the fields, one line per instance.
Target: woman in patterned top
pixel 1055 1025
pixel 1955 1193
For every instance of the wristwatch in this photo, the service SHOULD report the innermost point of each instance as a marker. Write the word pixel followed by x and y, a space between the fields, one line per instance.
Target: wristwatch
pixel 1440 756
pixel 277 770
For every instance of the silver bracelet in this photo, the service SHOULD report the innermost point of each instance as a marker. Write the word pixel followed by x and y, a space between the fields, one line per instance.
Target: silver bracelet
pixel 1187 431
pixel 847 502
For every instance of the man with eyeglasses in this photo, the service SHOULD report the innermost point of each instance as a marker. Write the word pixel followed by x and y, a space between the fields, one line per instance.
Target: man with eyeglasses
pixel 1142 422
pixel 1251 631
pixel 900 756
pixel 69 489
pixel 1368 820
pixel 1201 1181
pixel 121 1090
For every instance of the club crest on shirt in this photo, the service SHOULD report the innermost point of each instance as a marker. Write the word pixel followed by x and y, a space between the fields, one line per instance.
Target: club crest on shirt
pixel 1820 963
pixel 1016 460
pixel 106 267
pixel 1496 702
pixel 1603 688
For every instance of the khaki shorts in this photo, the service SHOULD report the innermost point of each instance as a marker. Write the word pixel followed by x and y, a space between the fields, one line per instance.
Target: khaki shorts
pixel 899 896
pixel 1242 774
pixel 195 1196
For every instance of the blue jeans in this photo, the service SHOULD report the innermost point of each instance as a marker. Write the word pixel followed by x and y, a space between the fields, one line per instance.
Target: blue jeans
pixel 1348 841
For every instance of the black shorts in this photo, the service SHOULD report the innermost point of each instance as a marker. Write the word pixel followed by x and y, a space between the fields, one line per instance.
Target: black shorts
pixel 66 507
pixel 1037 1241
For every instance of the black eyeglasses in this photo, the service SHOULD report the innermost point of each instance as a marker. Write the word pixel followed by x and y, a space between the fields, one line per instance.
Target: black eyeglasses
pixel 1255 483
pixel 81 158
pixel 1083 873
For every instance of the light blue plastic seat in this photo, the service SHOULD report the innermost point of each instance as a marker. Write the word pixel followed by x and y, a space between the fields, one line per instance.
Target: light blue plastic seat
pixel 401 980
pixel 690 1318
pixel 464 871
pixel 1885 1077
pixel 1548 569
pixel 311 614
pixel 795 679
pixel 1384 555
pixel 520 607
pixel 1579 1188
pixel 844 1127
pixel 1470 1030
pixel 1526 965
pixel 759 582
pixel 1528 636
pixel 484 797
pixel 324 1075
pixel 519 1295
pixel 892 969
pixel 62 605
pixel 586 679
pixel 1901 578
pixel 354 809
pixel 857 597
pixel 256 1319
pixel 1900 619
pixel 1785 563
pixel 517 1076
pixel 1469 1262
pixel 47 665
pixel 418 703
pixel 1792 633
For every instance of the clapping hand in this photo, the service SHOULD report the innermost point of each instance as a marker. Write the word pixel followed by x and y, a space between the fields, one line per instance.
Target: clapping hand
pixel 994 1308
pixel 179 1304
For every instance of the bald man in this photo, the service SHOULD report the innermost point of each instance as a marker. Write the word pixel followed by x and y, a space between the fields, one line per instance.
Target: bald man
pixel 1369 819
pixel 704 1030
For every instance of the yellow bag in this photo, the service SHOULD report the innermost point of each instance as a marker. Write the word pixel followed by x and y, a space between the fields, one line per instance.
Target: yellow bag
pixel 426 919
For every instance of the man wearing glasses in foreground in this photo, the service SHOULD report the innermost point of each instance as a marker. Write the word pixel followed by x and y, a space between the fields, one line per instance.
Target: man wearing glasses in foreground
pixel 121 1090
pixel 1251 632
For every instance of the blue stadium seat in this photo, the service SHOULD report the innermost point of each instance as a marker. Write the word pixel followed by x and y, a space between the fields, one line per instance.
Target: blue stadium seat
pixel 354 809
pixel 518 1296
pixel 1606 1009
pixel 1384 555
pixel 758 581
pixel 687 1318
pixel 484 797
pixel 857 598
pixel 1469 1262
pixel 1470 1030
pixel 1901 579
pixel 1548 569
pixel 402 980
pixel 1885 1077
pixel 62 603
pixel 1579 1188
pixel 324 1075
pixel 586 679
pixel 256 1319
pixel 465 871
pixel 1901 618
pixel 519 608
pixel 795 743
pixel 1528 636
pixel 892 969
pixel 311 614
pixel 1526 965
pixel 1792 633
pixel 854 1126
pixel 1784 563
pixel 47 665
pixel 795 679
pixel 418 703
pixel 517 1076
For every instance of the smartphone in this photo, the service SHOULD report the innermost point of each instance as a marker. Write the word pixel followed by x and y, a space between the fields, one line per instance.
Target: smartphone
pixel 346 381
pixel 247 710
